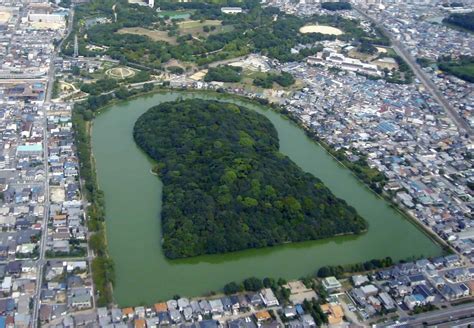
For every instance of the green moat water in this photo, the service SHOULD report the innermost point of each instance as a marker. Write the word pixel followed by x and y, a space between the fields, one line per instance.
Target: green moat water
pixel 133 203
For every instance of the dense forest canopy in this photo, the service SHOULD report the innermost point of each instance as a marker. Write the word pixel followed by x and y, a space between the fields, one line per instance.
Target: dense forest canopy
pixel 462 20
pixel 226 185
pixel 256 30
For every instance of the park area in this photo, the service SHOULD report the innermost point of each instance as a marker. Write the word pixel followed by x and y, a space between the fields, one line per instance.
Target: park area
pixel 120 72
pixel 155 35
pixel 196 28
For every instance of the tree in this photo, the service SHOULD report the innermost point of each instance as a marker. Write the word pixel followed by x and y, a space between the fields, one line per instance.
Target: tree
pixel 232 288
pixel 253 284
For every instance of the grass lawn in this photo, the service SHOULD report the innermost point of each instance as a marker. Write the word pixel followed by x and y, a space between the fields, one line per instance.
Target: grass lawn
pixel 464 71
pixel 155 35
pixel 195 28
pixel 176 14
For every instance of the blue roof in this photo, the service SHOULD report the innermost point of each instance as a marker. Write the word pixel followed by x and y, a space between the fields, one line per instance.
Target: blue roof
pixel 299 309
pixel 419 297
pixel 3 321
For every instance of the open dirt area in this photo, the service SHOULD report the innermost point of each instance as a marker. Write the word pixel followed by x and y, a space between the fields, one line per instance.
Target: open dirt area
pixel 199 75
pixel 47 25
pixel 155 35
pixel 4 16
pixel 323 29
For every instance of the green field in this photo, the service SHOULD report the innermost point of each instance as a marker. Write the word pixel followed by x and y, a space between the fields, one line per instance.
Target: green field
pixel 176 14
pixel 463 68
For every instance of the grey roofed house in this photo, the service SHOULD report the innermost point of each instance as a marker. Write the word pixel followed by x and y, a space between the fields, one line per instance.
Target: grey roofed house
pixel 83 319
pixel 68 321
pixel 216 306
pixel 246 322
pixel 152 322
pixel 227 303
pixel 175 315
pixel 295 324
pixel 255 299
pixel 205 306
pixel 104 321
pixel 208 324
pixel 195 307
pixel 243 301
pixel 308 320
pixel 172 304
pixel 235 302
pixel 182 303
pixel 102 312
pixel 289 312
pixel 116 315
pixel 188 313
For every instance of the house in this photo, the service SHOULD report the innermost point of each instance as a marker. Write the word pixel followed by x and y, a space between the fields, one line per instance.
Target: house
pixel 161 307
pixel 334 312
pixel 246 322
pixel 216 306
pixel 268 297
pixel 387 302
pixel 128 313
pixel 424 291
pixel 262 316
pixel 411 301
pixel 175 315
pixel 182 303
pixel 308 320
pixel 231 10
pixel 188 313
pixel 164 318
pixel 359 280
pixel 205 307
pixel 416 279
pixel 369 290
pixel 81 301
pixel 116 315
pixel 140 312
pixel 289 312
pixel 140 323
pixel 331 284
pixel 172 304
pixel 255 299
pixel 235 303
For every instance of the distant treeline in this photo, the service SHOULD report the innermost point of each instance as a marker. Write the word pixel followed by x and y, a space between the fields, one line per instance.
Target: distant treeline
pixel 339 270
pixel 336 6
pixel 462 20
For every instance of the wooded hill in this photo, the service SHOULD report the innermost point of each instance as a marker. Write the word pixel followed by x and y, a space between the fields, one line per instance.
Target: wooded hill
pixel 226 185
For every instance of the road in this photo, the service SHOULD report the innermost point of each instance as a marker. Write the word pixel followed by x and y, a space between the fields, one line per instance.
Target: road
pixel 44 228
pixel 444 316
pixel 460 123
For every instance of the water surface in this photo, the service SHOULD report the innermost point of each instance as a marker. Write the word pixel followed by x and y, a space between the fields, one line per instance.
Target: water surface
pixel 133 202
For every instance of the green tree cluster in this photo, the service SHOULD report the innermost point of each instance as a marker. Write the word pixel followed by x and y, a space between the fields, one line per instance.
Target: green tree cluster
pixel 224 73
pixel 462 67
pixel 333 6
pixel 226 185
pixel 339 271
pixel 100 86
pixel 465 21
pixel 313 307
pixel 284 79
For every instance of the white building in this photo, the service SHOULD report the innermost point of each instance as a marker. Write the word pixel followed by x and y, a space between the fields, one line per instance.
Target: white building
pixel 231 10
pixel 268 297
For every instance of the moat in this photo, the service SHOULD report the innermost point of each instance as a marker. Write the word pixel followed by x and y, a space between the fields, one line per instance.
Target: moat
pixel 132 194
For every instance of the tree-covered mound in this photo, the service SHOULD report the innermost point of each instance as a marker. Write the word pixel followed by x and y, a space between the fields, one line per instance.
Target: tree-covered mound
pixel 226 185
